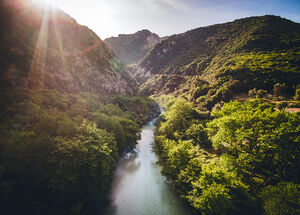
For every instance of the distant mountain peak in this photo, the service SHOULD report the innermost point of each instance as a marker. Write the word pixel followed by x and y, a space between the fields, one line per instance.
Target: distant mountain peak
pixel 145 32
pixel 131 48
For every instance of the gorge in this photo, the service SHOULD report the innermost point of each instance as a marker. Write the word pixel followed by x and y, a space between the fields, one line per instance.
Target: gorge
pixel 81 132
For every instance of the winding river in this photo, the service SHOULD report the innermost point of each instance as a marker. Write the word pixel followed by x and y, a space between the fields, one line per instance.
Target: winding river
pixel 138 186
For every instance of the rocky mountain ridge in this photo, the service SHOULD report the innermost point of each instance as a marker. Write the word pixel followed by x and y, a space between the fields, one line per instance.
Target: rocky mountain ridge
pixel 131 48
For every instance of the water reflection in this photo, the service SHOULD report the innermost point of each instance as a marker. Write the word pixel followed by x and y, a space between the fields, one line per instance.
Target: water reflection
pixel 138 186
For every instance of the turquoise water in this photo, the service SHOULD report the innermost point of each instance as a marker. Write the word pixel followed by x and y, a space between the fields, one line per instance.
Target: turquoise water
pixel 138 186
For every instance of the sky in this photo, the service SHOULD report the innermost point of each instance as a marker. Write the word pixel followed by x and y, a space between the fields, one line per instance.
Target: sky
pixel 166 17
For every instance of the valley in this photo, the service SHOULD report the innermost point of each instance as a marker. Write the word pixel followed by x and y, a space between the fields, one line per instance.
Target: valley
pixel 201 122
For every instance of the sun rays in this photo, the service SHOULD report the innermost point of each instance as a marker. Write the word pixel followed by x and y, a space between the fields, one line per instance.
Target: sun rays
pixel 49 47
pixel 55 46
pixel 40 52
pixel 58 40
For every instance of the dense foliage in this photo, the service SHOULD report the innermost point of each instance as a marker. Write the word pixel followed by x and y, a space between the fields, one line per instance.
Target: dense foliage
pixel 244 159
pixel 58 151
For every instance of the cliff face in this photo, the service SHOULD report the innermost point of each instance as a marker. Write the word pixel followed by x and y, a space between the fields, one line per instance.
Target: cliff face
pixel 131 48
pixel 220 61
pixel 44 48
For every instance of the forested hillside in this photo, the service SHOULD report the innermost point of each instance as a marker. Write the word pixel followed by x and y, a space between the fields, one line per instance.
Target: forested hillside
pixel 67 111
pixel 216 63
pixel 229 145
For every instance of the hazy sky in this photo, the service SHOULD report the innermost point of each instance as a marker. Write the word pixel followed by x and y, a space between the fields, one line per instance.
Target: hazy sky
pixel 165 17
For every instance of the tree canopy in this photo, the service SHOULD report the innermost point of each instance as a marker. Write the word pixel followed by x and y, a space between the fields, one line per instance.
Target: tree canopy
pixel 234 162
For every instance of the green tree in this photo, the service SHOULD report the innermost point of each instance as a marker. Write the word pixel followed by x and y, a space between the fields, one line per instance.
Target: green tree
pixel 84 166
pixel 220 190
pixel 178 119
pixel 281 199
pixel 197 134
pixel 270 137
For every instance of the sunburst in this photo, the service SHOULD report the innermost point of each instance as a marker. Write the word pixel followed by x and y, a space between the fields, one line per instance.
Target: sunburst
pixel 41 48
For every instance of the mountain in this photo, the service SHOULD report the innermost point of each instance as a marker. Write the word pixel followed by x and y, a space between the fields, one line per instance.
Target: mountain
pixel 215 63
pixel 44 48
pixel 68 111
pixel 131 48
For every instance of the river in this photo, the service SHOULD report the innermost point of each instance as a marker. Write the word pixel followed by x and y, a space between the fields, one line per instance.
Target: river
pixel 138 186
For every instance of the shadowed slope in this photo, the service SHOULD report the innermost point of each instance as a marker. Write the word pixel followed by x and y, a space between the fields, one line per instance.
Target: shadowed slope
pixel 42 47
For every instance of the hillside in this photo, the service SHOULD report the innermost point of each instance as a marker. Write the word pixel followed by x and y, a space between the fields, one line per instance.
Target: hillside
pixel 212 64
pixel 131 48
pixel 44 48
pixel 67 113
